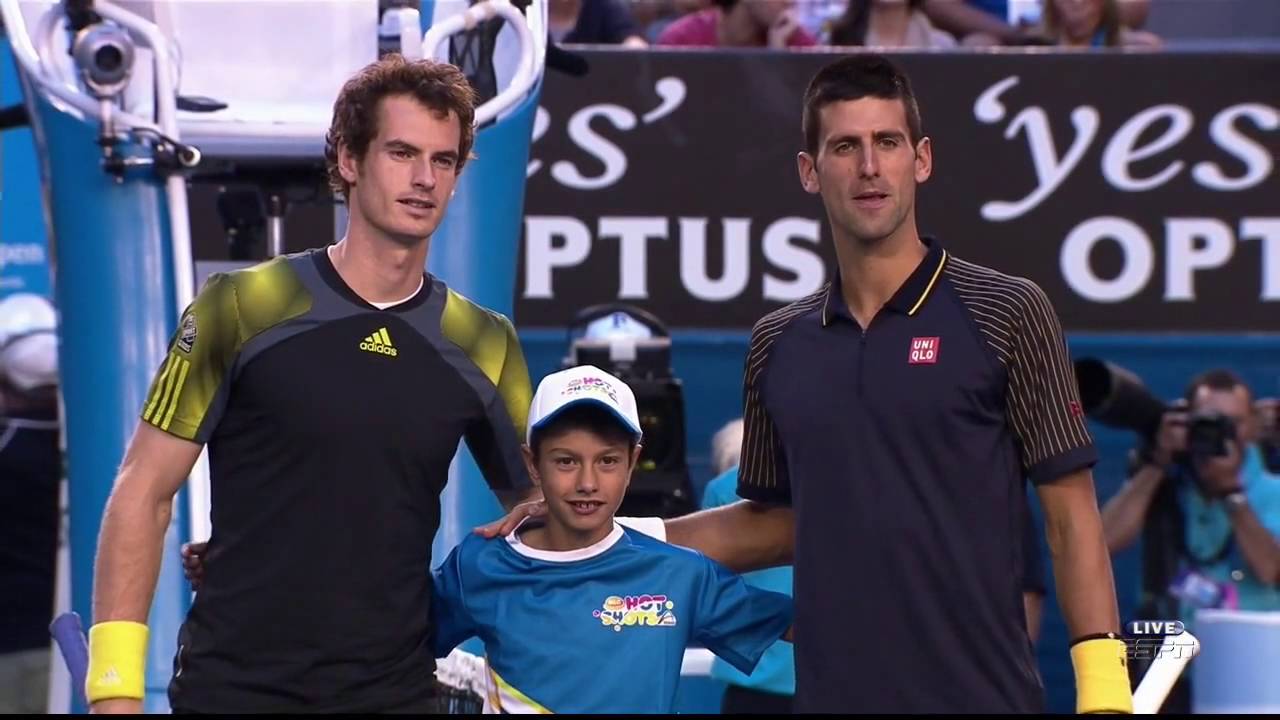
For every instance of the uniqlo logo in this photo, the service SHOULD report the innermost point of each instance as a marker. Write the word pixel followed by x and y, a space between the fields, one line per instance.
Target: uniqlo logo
pixel 924 351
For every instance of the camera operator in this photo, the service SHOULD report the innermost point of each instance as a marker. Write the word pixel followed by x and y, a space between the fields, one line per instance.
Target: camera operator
pixel 1230 503
pixel 1206 505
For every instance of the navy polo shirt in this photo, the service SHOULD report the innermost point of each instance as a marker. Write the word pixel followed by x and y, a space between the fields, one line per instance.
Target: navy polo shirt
pixel 904 450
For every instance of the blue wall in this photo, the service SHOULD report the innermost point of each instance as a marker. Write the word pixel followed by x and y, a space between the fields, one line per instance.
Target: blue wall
pixel 710 366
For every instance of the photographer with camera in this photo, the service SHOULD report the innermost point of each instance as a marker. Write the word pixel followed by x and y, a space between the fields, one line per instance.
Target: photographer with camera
pixel 1207 505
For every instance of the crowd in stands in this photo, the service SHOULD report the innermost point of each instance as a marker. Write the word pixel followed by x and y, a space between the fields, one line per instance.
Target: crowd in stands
pixel 917 24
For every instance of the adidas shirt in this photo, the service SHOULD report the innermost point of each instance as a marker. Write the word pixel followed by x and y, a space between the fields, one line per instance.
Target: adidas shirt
pixel 330 425
pixel 597 630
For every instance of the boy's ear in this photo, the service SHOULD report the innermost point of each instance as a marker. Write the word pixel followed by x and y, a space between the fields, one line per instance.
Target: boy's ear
pixel 531 465
pixel 635 457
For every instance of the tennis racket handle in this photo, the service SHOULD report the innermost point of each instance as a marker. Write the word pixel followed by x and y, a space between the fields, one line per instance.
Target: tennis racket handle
pixel 68 634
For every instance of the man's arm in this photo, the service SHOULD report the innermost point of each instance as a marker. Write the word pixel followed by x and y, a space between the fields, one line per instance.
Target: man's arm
pixel 135 519
pixel 131 541
pixel 1081 563
pixel 511 498
pixel 1133 13
pixel 961 19
pixel 1220 478
pixel 1260 548
pixel 495 439
pixel 742 536
pixel 1057 456
pixel 759 531
pixel 186 399
pixel 1126 511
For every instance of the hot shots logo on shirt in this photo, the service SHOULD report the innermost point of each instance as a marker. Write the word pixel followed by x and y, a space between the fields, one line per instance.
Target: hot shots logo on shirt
pixel 641 610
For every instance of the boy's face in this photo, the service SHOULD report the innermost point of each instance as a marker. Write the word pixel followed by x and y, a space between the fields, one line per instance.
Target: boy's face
pixel 583 476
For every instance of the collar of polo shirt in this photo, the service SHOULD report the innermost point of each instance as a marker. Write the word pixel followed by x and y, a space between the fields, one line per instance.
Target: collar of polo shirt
pixel 908 299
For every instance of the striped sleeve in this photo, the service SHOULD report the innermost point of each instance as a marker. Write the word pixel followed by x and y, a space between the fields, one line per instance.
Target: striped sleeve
pixel 186 393
pixel 762 468
pixel 1042 398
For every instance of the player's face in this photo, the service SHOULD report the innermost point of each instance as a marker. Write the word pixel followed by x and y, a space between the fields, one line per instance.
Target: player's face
pixel 404 182
pixel 583 477
pixel 866 169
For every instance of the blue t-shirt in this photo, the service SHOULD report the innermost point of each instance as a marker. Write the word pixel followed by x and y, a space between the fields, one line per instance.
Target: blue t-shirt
pixel 602 629
pixel 1210 538
pixel 776 672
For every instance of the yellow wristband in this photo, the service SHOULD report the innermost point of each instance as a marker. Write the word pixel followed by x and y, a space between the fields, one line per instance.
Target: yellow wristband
pixel 117 659
pixel 1102 676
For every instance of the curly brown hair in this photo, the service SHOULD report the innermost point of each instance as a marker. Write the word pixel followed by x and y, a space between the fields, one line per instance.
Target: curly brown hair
pixel 439 86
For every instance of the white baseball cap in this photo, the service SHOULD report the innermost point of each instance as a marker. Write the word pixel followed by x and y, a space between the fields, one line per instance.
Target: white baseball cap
pixel 583 384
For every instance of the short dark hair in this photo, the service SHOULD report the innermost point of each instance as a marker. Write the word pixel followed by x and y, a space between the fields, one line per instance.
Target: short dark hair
pixel 1219 379
pixel 439 86
pixel 590 417
pixel 852 78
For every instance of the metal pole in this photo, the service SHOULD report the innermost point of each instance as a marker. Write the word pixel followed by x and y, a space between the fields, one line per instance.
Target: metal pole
pixel 275 224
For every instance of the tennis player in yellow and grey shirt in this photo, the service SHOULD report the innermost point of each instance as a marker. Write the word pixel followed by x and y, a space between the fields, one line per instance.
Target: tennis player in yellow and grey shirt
pixel 332 388
pixel 331 426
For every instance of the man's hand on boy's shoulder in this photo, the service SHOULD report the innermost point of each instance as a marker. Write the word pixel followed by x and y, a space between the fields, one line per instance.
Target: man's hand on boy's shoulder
pixel 508 524
pixel 193 562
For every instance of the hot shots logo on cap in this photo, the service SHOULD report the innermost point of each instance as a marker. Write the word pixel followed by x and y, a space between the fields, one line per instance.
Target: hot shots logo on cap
pixel 590 385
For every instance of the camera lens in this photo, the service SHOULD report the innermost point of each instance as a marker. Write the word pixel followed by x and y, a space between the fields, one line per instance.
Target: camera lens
pixel 108 58
pixel 104 54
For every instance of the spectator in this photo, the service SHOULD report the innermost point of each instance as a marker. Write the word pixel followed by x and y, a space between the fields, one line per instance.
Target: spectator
pixel 653 16
pixel 770 687
pixel 593 22
pixel 30 475
pixel 888 23
pixel 1210 523
pixel 1091 23
pixel 740 23
pixel 726 445
pixel 978 23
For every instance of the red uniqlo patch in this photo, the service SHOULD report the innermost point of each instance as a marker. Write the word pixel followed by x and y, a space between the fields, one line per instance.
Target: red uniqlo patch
pixel 924 351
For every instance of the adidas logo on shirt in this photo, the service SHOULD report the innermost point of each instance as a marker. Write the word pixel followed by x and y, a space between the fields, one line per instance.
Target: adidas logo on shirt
pixel 379 342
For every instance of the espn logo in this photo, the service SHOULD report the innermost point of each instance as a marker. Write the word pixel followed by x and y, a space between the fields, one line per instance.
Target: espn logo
pixel 1151 640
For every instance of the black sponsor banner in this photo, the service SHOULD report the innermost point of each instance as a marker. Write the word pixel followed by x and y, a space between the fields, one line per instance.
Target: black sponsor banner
pixel 1139 190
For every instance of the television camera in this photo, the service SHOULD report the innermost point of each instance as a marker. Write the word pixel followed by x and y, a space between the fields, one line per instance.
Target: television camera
pixel 1116 397
pixel 635 346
